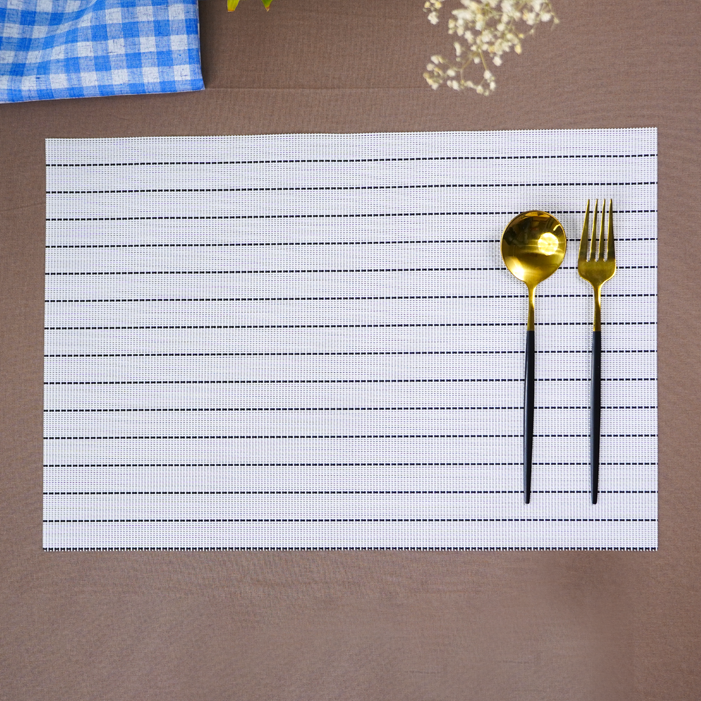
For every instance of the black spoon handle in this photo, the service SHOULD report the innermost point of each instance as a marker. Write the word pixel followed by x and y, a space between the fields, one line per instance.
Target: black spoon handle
pixel 528 403
pixel 595 413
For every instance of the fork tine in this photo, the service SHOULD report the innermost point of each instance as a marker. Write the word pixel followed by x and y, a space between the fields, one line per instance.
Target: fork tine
pixel 602 234
pixel 592 241
pixel 611 253
pixel 583 244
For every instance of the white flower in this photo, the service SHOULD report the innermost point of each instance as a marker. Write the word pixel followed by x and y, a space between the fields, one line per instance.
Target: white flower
pixel 490 29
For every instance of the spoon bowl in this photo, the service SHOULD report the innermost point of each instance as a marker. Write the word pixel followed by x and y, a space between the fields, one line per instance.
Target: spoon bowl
pixel 533 247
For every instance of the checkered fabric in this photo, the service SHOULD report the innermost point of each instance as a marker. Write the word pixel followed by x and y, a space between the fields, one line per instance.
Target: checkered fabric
pixel 87 48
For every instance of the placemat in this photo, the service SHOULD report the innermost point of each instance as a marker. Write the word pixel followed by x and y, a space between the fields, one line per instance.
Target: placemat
pixel 310 341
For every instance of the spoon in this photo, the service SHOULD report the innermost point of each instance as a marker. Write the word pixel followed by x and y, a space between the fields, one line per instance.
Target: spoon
pixel 533 246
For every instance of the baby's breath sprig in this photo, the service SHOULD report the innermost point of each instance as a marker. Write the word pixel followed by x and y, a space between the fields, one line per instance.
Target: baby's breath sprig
pixel 486 30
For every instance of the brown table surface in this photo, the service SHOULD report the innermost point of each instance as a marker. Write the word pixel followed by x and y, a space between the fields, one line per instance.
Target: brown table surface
pixel 366 625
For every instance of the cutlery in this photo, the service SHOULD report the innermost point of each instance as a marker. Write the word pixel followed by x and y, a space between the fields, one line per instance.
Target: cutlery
pixel 596 268
pixel 533 246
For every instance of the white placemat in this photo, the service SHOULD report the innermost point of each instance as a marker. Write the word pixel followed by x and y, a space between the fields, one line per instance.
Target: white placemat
pixel 310 341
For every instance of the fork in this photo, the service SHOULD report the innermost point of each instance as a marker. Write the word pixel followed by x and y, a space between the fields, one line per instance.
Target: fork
pixel 596 268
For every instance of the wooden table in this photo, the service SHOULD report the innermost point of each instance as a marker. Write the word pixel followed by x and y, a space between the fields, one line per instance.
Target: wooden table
pixel 366 625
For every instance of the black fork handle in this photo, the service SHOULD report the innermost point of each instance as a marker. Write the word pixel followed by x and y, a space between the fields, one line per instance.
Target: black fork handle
pixel 595 413
pixel 528 404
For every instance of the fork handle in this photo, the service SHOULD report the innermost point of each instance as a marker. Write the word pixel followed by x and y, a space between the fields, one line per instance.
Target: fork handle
pixel 528 404
pixel 595 413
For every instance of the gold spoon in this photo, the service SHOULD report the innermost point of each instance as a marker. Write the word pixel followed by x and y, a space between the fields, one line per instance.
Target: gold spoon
pixel 533 246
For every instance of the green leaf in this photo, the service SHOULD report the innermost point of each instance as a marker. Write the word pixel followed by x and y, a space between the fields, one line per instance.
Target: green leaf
pixel 233 4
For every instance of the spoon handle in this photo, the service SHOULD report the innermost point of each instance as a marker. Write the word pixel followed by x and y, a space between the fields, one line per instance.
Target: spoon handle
pixel 528 402
pixel 595 412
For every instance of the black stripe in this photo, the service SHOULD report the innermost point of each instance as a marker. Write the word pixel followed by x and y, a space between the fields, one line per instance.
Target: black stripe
pixel 341 464
pixel 342 188
pixel 343 436
pixel 303 243
pixel 338 299
pixel 327 216
pixel 335 270
pixel 342 326
pixel 346 382
pixel 354 160
pixel 320 353
pixel 248 244
pixel 359 491
pixel 325 408
pixel 304 408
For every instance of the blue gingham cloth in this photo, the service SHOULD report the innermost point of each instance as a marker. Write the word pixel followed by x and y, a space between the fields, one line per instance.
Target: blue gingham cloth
pixel 86 48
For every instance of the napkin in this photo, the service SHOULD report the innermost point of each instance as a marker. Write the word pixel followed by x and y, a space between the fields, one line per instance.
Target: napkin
pixel 311 341
pixel 86 48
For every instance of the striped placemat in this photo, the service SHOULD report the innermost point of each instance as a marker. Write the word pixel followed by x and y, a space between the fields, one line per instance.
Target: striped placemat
pixel 310 341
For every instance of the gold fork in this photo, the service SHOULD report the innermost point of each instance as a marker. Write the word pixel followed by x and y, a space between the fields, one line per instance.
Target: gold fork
pixel 596 268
